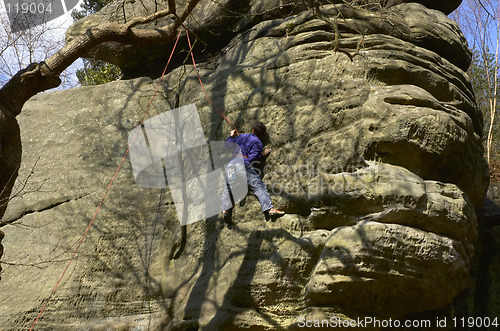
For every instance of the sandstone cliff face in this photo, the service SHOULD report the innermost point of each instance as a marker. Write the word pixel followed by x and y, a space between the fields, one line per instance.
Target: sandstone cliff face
pixel 216 21
pixel 378 162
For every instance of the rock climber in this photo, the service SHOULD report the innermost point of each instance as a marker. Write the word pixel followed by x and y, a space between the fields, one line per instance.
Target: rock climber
pixel 252 149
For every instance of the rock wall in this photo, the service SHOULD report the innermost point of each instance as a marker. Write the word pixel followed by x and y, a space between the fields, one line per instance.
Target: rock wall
pixel 480 298
pixel 217 21
pixel 376 159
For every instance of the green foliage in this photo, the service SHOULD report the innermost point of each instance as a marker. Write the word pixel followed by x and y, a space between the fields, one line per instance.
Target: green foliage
pixel 95 72
pixel 89 7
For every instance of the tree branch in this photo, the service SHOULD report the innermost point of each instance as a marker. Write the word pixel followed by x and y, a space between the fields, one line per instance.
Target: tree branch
pixel 38 77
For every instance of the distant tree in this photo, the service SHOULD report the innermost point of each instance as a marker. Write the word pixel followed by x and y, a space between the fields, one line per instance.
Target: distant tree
pixel 480 21
pixel 20 48
pixel 97 72
pixel 479 74
pixel 89 7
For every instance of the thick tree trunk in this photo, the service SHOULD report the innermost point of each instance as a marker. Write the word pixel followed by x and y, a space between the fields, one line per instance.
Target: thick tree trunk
pixel 10 156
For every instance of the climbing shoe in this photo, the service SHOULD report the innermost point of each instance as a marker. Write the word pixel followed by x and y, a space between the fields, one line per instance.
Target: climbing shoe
pixel 227 216
pixel 275 212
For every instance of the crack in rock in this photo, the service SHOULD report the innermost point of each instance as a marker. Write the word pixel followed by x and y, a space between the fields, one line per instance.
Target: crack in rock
pixel 37 207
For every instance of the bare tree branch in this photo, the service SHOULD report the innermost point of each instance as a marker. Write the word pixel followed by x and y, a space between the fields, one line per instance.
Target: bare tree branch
pixel 486 10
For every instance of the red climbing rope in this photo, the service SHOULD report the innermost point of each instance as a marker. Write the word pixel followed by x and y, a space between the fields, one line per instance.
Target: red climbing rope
pixel 221 113
pixel 107 190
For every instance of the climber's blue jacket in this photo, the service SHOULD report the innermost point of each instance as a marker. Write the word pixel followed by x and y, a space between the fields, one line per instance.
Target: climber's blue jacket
pixel 251 146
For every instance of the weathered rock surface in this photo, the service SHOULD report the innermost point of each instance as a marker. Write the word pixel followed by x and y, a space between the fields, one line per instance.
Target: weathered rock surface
pixel 378 162
pixel 215 23
pixel 371 258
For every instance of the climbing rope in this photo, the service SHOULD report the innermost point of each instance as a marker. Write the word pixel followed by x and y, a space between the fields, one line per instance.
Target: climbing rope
pixel 107 190
pixel 221 113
